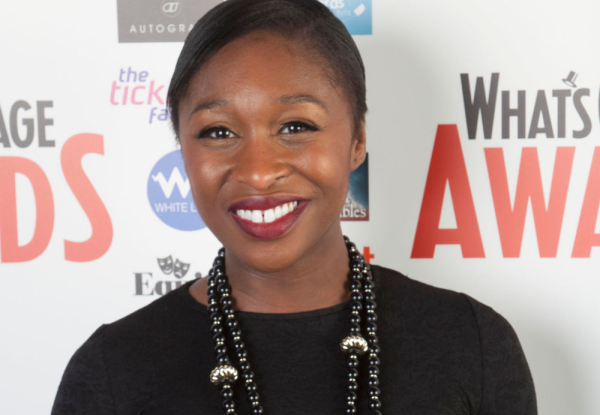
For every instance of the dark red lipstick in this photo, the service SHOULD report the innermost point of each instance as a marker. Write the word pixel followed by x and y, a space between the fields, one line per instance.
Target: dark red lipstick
pixel 271 227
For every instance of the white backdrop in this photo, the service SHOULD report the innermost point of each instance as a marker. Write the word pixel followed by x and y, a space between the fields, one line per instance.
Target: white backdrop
pixel 67 52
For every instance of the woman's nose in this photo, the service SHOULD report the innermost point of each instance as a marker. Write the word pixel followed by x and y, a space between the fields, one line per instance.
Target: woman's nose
pixel 259 163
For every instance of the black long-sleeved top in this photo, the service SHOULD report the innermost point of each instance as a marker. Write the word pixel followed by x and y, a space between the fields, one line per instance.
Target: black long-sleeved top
pixel 442 352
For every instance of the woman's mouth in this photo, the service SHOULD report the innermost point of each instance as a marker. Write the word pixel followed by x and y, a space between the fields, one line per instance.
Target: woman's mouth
pixel 267 217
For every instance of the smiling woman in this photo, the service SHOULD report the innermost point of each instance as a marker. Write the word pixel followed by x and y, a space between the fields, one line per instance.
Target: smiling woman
pixel 268 102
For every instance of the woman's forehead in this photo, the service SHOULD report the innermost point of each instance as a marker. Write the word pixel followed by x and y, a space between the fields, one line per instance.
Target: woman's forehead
pixel 262 63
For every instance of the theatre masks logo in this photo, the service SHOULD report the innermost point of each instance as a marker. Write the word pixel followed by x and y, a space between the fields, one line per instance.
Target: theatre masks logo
pixel 171 276
pixel 159 20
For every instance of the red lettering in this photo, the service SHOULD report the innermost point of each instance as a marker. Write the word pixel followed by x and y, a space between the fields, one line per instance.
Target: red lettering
pixel 586 238
pixel 367 254
pixel 447 165
pixel 511 221
pixel 44 208
pixel 102 232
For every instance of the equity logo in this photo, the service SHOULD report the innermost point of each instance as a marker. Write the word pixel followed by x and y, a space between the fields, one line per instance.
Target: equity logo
pixel 170 196
pixel 355 14
pixel 145 283
pixel 159 20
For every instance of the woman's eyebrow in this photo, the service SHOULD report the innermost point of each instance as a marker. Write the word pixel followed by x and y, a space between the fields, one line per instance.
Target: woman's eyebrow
pixel 284 99
pixel 302 99
pixel 208 105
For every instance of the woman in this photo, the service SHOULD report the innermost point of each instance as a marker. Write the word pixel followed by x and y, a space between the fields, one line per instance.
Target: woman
pixel 268 102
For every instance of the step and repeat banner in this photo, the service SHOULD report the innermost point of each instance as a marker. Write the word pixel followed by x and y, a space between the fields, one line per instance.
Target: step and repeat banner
pixel 483 174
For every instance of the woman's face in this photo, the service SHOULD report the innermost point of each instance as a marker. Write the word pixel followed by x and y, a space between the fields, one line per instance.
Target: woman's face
pixel 268 149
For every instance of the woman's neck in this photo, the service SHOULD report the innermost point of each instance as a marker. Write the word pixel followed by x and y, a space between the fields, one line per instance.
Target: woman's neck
pixel 318 280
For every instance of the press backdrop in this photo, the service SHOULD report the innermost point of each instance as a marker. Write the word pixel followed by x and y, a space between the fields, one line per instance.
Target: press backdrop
pixel 483 177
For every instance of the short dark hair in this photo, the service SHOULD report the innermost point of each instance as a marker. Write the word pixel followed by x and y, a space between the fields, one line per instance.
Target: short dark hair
pixel 308 21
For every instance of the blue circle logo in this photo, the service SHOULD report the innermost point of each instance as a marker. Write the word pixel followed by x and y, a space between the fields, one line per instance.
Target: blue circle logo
pixel 170 194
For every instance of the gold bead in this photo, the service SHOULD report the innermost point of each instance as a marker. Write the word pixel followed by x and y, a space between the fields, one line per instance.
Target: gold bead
pixel 223 373
pixel 354 344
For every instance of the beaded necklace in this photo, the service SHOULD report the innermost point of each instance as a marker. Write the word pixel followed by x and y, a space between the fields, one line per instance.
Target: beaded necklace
pixel 225 330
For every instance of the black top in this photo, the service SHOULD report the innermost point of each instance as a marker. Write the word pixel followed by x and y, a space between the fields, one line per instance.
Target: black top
pixel 442 352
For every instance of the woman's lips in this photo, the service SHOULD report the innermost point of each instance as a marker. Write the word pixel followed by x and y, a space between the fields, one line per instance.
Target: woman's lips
pixel 267 217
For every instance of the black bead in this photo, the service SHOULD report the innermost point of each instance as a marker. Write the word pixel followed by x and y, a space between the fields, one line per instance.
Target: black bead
pixel 213 308
pixel 216 329
pixel 354 330
pixel 374 361
pixel 227 393
pixel 374 404
pixel 355 285
pixel 354 319
pixel 356 306
pixel 222 360
pixel 350 410
pixel 351 397
pixel 236 332
pixel 248 375
pixel 257 410
pixel 370 305
pixel 220 349
pixel 352 363
pixel 352 373
pixel 242 354
pixel 356 276
pixel 353 386
pixel 374 392
pixel 253 397
pixel 373 382
pixel 356 296
pixel 375 412
pixel 232 323
pixel 374 349
pixel 221 279
pixel 373 371
pixel 239 345
pixel 371 327
pixel 226 301
pixel 251 387
pixel 228 404
pixel 210 291
pixel 371 318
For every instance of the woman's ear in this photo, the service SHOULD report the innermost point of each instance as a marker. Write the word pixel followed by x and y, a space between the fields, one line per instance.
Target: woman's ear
pixel 359 146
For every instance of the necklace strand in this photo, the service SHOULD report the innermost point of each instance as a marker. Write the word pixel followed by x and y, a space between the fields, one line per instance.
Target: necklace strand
pixel 225 326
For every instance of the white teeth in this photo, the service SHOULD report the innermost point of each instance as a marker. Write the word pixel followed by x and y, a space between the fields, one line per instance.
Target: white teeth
pixel 269 215
pixel 257 216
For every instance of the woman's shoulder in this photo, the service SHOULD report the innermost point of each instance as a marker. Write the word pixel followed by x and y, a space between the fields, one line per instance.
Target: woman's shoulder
pixel 416 298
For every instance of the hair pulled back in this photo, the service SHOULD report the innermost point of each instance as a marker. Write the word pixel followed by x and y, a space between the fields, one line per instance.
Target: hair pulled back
pixel 306 21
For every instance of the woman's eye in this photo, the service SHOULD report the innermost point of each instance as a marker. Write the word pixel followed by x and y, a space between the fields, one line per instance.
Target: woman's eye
pixel 217 132
pixel 297 127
